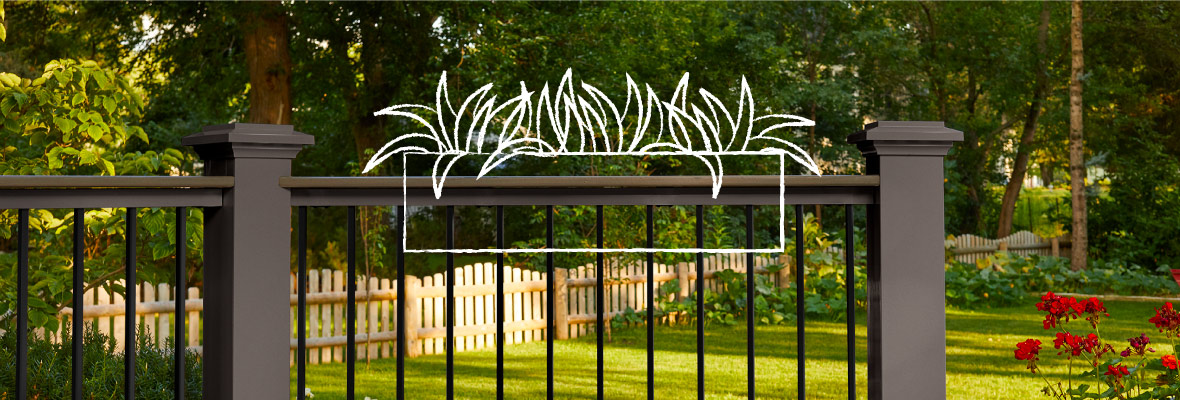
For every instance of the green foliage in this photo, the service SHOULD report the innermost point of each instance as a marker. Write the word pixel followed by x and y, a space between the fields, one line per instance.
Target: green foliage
pixel 824 294
pixel 75 119
pixel 1138 221
pixel 51 261
pixel 839 63
pixel 824 298
pixel 1006 279
pixel 72 115
pixel 102 368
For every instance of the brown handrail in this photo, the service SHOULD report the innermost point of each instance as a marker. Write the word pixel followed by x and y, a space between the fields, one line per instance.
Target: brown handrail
pixel 299 182
pixel 107 182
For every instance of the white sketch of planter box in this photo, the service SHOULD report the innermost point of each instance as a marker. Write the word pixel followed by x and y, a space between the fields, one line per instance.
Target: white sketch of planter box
pixel 522 132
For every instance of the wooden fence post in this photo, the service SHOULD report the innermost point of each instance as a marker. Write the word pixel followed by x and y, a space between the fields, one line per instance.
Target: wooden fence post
pixel 1002 246
pixel 561 316
pixel 413 314
pixel 1055 246
pixel 784 273
pixel 682 278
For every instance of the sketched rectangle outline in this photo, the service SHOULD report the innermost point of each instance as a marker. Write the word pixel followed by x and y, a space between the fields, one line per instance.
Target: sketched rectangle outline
pixel 782 216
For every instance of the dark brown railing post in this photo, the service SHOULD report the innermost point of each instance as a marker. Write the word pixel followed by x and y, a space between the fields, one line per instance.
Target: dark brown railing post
pixel 906 317
pixel 247 325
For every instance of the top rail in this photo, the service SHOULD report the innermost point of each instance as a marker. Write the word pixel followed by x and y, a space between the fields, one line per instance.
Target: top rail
pixel 491 182
pixel 592 190
pixel 107 182
pixel 47 192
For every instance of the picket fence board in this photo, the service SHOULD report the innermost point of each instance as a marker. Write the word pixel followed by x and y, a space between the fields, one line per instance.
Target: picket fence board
pixel 475 307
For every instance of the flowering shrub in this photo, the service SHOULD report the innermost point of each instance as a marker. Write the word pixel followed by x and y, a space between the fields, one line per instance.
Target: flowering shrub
pixel 1133 373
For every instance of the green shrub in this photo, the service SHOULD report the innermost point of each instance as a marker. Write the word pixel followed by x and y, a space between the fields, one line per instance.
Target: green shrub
pixel 1003 279
pixel 49 368
pixel 823 298
pixel 1006 279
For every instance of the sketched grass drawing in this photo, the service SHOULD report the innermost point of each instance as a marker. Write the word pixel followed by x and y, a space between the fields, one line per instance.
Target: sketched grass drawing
pixel 569 121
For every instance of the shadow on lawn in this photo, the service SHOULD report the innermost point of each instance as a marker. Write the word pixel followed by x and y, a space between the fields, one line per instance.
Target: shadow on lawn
pixel 625 373
pixel 770 341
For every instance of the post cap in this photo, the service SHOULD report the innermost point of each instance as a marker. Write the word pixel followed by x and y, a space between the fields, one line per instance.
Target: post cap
pixel 243 140
pixel 905 138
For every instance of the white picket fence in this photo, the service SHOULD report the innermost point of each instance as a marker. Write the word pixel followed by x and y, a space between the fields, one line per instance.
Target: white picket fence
pixel 377 304
pixel 155 308
pixel 970 248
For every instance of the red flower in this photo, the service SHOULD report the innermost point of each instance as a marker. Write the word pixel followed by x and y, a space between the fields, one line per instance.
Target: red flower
pixel 1092 308
pixel 1028 350
pixel 1167 320
pixel 1118 372
pixel 1170 361
pixel 1059 309
pixel 1074 344
pixel 1138 346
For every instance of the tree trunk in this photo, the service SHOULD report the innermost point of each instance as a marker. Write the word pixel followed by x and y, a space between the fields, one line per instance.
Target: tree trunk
pixel 269 62
pixel 1047 175
pixel 1077 167
pixel 1020 167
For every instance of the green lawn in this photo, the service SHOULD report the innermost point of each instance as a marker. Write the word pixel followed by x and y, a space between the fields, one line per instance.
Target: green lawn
pixel 980 364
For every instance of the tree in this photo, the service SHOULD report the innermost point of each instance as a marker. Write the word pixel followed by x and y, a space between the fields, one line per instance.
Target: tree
pixel 1077 160
pixel 1020 164
pixel 954 62
pixel 268 59
pixel 78 119
pixel 1132 116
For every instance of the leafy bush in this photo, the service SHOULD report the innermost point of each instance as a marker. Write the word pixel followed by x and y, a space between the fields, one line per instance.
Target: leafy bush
pixel 77 118
pixel 49 368
pixel 1001 280
pixel 823 288
pixel 824 298
pixel 1006 279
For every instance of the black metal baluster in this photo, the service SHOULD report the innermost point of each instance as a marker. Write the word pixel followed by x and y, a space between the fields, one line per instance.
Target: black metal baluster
pixel 78 302
pixel 350 391
pixel 550 292
pixel 130 316
pixel 178 383
pixel 500 303
pixel 450 303
pixel 799 311
pixel 750 283
pixel 401 302
pixel 22 304
pixel 301 289
pixel 700 302
pixel 850 296
pixel 651 288
pixel 600 298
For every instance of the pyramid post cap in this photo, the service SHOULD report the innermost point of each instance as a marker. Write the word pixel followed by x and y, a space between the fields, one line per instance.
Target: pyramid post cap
pixel 906 131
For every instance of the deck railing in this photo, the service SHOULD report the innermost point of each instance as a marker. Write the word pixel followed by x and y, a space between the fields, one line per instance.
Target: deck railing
pixel 248 196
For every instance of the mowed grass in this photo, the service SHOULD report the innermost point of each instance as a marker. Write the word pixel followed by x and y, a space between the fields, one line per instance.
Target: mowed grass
pixel 980 363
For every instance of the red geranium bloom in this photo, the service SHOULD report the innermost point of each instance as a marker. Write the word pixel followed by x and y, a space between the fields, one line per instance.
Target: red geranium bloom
pixel 1028 350
pixel 1059 309
pixel 1138 346
pixel 1092 308
pixel 1118 372
pixel 1074 344
pixel 1170 361
pixel 1167 320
